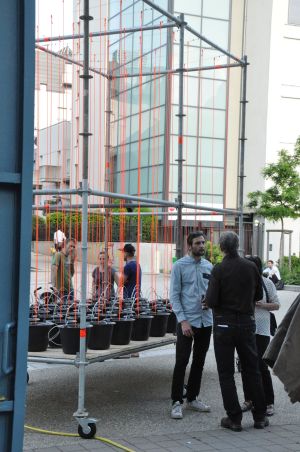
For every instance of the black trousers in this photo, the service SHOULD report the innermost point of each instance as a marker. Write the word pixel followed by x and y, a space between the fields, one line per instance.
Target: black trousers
pixel 200 342
pixel 262 343
pixel 237 332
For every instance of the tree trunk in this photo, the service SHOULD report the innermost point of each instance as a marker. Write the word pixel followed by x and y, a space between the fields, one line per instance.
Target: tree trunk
pixel 281 248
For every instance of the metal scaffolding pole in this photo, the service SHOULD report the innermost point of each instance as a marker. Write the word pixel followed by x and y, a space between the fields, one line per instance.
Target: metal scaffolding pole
pixel 191 30
pixel 138 199
pixel 81 414
pixel 242 155
pixel 107 174
pixel 179 237
pixel 68 59
pixel 179 70
pixel 96 34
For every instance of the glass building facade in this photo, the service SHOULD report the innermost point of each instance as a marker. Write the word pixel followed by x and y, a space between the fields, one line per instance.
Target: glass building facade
pixel 144 122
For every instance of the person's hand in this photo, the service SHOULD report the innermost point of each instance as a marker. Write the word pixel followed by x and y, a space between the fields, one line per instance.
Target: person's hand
pixel 260 304
pixel 186 328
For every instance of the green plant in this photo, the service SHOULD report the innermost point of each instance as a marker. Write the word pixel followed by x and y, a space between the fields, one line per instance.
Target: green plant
pixel 213 253
pixel 290 276
pixel 282 199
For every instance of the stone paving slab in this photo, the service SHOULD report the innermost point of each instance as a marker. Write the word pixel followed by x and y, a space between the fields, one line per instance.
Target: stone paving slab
pixel 274 438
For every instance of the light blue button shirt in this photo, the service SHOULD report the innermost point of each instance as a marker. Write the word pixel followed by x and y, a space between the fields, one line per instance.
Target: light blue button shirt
pixel 189 281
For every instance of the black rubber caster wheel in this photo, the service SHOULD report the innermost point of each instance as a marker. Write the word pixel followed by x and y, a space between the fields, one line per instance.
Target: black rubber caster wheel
pixel 27 377
pixel 89 435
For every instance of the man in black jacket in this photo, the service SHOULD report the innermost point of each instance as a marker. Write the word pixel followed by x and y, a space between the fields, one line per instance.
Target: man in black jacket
pixel 234 287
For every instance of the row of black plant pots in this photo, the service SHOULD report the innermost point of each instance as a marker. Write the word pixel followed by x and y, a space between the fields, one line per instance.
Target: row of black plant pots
pixel 100 334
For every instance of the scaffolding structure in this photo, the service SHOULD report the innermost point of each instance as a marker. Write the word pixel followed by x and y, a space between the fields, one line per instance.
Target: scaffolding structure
pixel 85 191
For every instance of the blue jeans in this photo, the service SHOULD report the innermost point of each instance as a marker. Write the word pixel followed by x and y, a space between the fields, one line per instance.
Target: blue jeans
pixel 237 332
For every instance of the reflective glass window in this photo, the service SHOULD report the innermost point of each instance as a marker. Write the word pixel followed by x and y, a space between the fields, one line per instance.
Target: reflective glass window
pixel 189 179
pixel 216 31
pixel 213 93
pixel 195 23
pixel 210 181
pixel 191 7
pixel 126 20
pixel 190 121
pixel 211 152
pixel 156 150
pixel 216 8
pixel 134 147
pixel 211 57
pixel 158 94
pixel 190 150
pixel 155 174
pixel 157 121
pixel 212 123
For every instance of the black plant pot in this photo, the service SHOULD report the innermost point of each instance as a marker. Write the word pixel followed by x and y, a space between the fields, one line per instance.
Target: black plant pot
pixel 70 338
pixel 141 328
pixel 38 336
pixel 159 324
pixel 100 336
pixel 172 323
pixel 122 331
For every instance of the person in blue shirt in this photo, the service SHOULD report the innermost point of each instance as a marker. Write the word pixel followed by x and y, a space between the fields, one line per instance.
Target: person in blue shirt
pixel 132 273
pixel 189 281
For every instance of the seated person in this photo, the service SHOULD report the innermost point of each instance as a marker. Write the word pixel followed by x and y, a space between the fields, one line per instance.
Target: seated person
pixel 272 272
pixel 99 287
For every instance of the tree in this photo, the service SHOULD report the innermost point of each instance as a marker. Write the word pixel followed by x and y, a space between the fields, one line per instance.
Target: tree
pixel 282 199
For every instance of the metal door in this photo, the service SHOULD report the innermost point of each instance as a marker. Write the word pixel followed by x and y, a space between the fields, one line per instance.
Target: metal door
pixel 16 163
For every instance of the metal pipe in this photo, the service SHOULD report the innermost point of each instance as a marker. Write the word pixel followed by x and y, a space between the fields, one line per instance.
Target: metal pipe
pixel 40 359
pixel 67 59
pixel 148 201
pixel 178 70
pixel 107 173
pixel 95 34
pixel 191 30
pixel 81 411
pixel 242 156
pixel 179 237
pixel 164 12
pixel 215 46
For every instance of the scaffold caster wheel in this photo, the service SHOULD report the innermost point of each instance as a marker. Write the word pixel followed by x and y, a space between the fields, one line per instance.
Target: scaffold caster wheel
pixel 91 433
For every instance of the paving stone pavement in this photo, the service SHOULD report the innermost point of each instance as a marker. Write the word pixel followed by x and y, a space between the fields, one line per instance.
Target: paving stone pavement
pixel 272 439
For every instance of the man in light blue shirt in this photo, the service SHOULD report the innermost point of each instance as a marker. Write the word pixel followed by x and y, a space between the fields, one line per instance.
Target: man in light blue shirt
pixel 189 281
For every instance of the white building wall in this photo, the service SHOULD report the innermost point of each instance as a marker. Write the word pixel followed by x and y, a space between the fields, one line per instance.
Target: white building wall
pixel 274 98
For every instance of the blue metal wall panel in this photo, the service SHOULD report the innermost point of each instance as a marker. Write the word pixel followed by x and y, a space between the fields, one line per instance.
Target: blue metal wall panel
pixel 16 163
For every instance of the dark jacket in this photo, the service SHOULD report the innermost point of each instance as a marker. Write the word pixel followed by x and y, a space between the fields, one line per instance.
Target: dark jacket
pixel 234 287
pixel 283 352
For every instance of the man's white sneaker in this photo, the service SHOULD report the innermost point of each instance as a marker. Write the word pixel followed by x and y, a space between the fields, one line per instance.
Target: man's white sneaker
pixel 176 412
pixel 198 405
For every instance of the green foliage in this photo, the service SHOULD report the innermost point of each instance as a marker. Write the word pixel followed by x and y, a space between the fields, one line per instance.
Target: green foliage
pixel 290 276
pixel 282 199
pixel 213 253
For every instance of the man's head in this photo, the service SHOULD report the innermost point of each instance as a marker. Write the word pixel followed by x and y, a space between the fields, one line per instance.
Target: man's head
pixel 196 244
pixel 270 263
pixel 70 247
pixel 129 251
pixel 229 243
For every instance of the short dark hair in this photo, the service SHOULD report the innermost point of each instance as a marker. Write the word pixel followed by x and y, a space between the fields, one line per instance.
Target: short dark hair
pixel 130 249
pixel 270 260
pixel 257 261
pixel 229 242
pixel 194 235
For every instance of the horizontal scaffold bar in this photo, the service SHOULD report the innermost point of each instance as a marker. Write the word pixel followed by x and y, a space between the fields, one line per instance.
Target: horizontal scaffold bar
pixel 139 199
pixel 96 34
